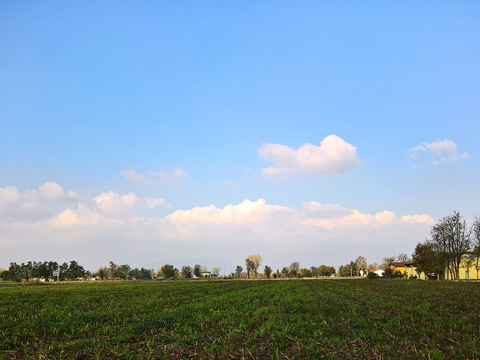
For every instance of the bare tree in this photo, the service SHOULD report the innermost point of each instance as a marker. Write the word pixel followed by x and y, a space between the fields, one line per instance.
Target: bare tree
pixel 215 270
pixel 451 239
pixel 476 242
pixel 403 257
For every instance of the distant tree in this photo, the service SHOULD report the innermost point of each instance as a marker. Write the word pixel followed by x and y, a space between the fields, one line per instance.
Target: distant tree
pixel 123 271
pixel 14 272
pixel 74 271
pixel 215 270
pixel 249 265
pixel 203 268
pixel 278 274
pixel 403 258
pixel 112 270
pixel 294 268
pixel 238 271
pixel 332 270
pixel 168 271
pixel 324 270
pixel 305 273
pixel 476 242
pixel 254 262
pixel 197 270
pixel 285 272
pixel 267 271
pixel 186 271
pixel 360 264
pixel 63 268
pixel 146 274
pixel 386 261
pixel 102 272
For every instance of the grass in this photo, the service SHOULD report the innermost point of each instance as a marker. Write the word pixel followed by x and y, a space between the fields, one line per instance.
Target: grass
pixel 301 319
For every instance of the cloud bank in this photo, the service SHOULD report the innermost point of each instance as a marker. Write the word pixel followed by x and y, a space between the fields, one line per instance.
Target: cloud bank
pixel 49 223
pixel 437 152
pixel 333 156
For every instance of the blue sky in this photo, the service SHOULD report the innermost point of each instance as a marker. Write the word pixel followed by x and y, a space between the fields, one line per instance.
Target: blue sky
pixel 91 90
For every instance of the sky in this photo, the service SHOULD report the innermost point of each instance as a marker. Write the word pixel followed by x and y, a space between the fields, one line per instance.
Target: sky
pixel 205 131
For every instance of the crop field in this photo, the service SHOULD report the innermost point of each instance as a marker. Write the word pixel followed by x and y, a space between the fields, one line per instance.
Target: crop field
pixel 291 319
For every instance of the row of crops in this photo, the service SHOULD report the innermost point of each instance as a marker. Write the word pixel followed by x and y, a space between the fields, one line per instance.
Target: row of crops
pixel 291 319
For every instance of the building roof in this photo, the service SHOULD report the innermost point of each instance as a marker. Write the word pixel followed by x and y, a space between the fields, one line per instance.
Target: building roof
pixel 403 263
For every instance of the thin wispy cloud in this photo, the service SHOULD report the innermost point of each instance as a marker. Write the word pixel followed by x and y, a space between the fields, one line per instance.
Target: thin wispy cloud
pixel 136 178
pixel 437 152
pixel 333 156
pixel 164 177
pixel 227 182
pixel 172 176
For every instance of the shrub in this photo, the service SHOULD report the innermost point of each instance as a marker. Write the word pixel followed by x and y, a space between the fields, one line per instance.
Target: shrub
pixel 372 275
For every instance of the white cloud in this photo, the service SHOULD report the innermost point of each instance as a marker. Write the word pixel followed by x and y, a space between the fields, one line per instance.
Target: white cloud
pixel 111 226
pixel 171 176
pixel 51 190
pixel 136 178
pixel 438 152
pixel 333 156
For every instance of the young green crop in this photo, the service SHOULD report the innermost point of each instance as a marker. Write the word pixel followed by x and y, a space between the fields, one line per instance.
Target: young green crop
pixel 294 319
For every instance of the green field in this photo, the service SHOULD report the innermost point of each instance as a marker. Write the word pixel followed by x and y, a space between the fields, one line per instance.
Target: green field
pixel 291 319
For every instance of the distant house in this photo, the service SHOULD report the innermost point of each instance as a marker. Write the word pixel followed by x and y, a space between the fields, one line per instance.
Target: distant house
pixel 378 272
pixel 206 274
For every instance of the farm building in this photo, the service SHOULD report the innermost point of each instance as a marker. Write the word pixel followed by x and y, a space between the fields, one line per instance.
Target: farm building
pixel 469 270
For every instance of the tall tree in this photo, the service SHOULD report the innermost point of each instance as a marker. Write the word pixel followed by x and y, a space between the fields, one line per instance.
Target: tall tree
pixel 215 270
pixel 267 271
pixel 360 264
pixel 250 265
pixel 476 242
pixel 451 238
pixel 254 262
pixel 197 271
pixel 112 270
pixel 102 272
pixel 238 271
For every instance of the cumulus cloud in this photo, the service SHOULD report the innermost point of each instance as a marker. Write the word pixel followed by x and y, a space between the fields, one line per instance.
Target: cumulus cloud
pixel 95 230
pixel 51 190
pixel 136 178
pixel 333 156
pixel 438 152
pixel 171 176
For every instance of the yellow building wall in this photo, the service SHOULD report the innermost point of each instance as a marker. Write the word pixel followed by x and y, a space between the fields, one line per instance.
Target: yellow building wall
pixel 410 271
